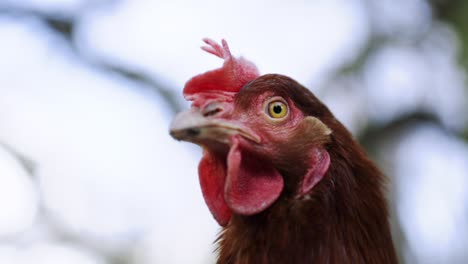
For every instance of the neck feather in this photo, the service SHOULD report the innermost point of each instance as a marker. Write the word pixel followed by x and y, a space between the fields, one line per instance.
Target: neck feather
pixel 343 220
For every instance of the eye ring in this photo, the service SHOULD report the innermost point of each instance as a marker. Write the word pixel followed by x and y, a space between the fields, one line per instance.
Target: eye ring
pixel 277 109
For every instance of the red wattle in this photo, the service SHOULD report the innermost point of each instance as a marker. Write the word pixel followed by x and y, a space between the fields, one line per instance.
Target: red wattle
pixel 212 176
pixel 245 185
pixel 251 184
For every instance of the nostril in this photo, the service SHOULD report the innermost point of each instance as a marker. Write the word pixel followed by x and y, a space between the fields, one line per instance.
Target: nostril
pixel 212 112
pixel 212 109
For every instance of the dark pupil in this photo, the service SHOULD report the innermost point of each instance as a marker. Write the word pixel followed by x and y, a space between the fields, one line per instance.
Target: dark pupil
pixel 277 109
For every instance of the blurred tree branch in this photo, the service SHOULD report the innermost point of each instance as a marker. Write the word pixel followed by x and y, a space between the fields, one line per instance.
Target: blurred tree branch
pixel 55 227
pixel 28 164
pixel 374 135
pixel 64 27
pixel 455 12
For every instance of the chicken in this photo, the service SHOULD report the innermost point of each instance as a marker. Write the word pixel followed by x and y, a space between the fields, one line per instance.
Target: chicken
pixel 280 174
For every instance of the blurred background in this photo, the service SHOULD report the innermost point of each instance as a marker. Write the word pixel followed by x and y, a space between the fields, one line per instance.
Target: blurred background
pixel 89 174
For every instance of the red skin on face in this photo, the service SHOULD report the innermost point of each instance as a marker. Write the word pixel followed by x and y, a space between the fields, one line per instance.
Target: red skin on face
pixel 244 180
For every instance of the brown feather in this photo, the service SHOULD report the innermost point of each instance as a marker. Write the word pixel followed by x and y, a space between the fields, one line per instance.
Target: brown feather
pixel 343 220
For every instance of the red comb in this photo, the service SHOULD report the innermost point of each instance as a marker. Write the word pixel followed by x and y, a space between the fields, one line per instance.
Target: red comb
pixel 231 77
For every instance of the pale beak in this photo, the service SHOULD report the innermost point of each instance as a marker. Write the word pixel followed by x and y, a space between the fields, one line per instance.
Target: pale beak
pixel 192 126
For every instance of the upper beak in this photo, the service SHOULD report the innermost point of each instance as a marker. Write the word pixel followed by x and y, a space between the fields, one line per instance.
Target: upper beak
pixel 192 126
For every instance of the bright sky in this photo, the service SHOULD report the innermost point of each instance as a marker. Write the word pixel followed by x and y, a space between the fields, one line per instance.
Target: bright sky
pixel 301 39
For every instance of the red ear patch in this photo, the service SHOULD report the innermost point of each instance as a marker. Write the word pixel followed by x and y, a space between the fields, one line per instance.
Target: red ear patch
pixel 251 185
pixel 231 77
pixel 318 166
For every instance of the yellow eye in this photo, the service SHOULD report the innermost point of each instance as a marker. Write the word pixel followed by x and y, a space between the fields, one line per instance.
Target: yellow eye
pixel 277 109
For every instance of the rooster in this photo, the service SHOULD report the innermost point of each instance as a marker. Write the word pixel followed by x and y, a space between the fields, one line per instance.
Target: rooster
pixel 282 176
